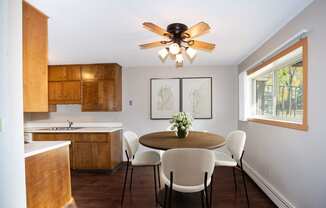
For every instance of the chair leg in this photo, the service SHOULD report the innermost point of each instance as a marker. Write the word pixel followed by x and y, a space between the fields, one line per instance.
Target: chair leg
pixel 202 199
pixel 206 191
pixel 155 191
pixel 124 183
pixel 211 192
pixel 171 188
pixel 159 177
pixel 131 174
pixel 235 180
pixel 244 182
pixel 165 195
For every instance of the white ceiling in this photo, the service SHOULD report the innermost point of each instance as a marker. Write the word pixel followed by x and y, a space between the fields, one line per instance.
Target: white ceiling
pixel 83 31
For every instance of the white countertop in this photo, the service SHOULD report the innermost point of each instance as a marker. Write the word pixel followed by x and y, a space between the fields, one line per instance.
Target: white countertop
pixel 83 127
pixel 79 130
pixel 37 147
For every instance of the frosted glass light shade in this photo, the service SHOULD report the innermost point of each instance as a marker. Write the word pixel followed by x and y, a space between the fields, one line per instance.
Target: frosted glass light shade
pixel 191 53
pixel 163 53
pixel 174 48
pixel 179 58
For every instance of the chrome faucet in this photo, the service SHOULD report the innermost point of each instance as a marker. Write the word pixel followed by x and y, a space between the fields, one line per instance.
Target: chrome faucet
pixel 70 123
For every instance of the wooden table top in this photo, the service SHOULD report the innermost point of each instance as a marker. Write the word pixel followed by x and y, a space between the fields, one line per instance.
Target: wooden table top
pixel 165 140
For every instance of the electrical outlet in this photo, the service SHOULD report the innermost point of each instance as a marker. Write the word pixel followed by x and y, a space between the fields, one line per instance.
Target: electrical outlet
pixel 130 102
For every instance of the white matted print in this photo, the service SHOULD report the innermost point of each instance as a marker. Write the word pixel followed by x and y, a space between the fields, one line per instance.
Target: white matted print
pixel 197 97
pixel 165 98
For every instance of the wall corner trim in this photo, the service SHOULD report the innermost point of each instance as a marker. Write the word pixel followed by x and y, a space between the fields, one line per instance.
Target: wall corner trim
pixel 279 200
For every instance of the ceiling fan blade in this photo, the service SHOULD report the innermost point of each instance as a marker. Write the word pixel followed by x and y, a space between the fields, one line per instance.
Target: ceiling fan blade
pixel 155 29
pixel 197 29
pixel 152 44
pixel 201 45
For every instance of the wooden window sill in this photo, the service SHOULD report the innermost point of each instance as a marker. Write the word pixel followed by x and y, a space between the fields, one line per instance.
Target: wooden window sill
pixel 284 124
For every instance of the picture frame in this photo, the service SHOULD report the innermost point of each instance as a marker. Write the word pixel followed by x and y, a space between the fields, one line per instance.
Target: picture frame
pixel 197 97
pixel 165 99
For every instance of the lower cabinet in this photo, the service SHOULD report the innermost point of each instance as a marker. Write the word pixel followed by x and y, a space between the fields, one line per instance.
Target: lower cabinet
pixel 91 155
pixel 89 151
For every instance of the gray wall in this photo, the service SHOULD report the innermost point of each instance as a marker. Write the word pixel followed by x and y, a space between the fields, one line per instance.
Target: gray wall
pixel 12 171
pixel 136 87
pixel 292 161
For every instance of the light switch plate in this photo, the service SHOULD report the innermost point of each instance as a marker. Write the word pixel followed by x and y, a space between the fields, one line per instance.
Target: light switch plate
pixel 1 124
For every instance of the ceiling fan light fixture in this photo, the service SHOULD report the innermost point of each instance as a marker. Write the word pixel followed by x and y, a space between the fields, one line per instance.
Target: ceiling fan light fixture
pixel 174 48
pixel 179 40
pixel 163 53
pixel 191 53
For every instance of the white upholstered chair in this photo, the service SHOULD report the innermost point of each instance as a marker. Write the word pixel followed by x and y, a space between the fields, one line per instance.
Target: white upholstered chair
pixel 187 170
pixel 139 159
pixel 235 143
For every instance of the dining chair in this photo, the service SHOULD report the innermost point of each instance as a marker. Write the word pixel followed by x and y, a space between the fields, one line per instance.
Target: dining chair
pixel 235 143
pixel 139 159
pixel 187 170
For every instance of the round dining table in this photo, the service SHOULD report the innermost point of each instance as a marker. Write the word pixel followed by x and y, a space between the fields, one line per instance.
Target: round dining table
pixel 165 140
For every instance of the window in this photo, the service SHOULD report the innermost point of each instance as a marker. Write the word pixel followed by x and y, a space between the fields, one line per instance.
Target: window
pixel 278 89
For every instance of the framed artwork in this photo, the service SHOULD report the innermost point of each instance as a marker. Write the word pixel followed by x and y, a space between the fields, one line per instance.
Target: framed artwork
pixel 165 98
pixel 197 97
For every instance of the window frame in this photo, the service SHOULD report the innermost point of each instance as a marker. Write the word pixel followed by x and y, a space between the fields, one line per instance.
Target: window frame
pixel 287 124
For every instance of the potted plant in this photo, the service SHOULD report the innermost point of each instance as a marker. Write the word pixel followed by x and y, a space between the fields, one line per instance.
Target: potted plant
pixel 181 123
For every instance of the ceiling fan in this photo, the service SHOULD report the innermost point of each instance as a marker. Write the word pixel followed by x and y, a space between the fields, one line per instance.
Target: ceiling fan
pixel 178 39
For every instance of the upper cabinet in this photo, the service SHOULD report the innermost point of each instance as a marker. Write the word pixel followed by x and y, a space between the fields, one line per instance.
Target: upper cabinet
pixel 101 87
pixel 35 59
pixel 64 84
pixel 64 73
pixel 97 87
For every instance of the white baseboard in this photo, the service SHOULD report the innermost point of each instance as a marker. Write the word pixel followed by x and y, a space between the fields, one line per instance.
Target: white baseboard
pixel 269 190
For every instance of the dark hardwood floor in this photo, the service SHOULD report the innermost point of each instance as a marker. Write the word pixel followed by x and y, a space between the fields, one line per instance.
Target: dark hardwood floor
pixel 104 190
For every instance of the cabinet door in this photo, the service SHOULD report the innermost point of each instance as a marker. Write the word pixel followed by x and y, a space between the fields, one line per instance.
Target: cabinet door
pixel 64 73
pixel 71 92
pixel 67 92
pixel 98 95
pixel 35 59
pixel 91 155
pixel 55 92
pixel 117 90
pixel 98 71
pixel 115 148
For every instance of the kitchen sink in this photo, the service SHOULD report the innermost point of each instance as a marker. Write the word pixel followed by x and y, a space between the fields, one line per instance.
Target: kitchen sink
pixel 61 128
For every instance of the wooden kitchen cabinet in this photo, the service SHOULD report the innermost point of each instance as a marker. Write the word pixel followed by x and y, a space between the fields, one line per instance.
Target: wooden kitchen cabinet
pixel 64 73
pixel 35 59
pixel 97 150
pixel 89 151
pixel 91 155
pixel 64 84
pixel 67 92
pixel 98 95
pixel 115 148
pixel 99 71
pixel 101 87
